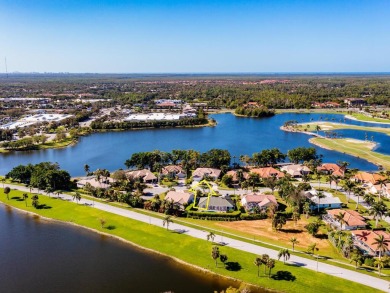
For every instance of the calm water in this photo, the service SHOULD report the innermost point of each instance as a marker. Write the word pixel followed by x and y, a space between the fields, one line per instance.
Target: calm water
pixel 39 256
pixel 239 135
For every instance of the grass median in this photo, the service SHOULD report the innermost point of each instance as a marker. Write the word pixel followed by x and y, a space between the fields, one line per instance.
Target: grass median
pixel 188 249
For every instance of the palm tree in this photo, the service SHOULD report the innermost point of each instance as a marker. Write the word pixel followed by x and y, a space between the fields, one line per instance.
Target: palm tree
pixel 318 128
pixel 306 209
pixel 378 210
pixel 270 265
pixel 215 254
pixel 7 190
pixel 265 258
pixel 369 198
pixel 349 186
pixel 211 236
pixel 381 245
pixel 25 197
pixel 35 202
pixel 379 263
pixel 340 218
pixel 86 169
pixel 167 220
pixel 358 191
pixel 381 183
pixel 77 196
pixel 285 254
pixel 258 262
pixel 294 241
pixel 357 258
pixel 320 194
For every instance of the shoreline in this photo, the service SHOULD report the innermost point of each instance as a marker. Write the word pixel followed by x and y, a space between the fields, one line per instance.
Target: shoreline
pixel 350 117
pixel 145 249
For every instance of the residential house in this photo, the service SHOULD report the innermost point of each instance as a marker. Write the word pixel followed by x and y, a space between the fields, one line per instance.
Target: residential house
pixel 327 202
pixel 262 201
pixel 235 176
pixel 383 190
pixel 144 175
pixel 92 180
pixel 368 178
pixel 332 169
pixel 268 172
pixel 217 204
pixel 181 199
pixel 296 170
pixel 364 240
pixel 353 220
pixel 201 173
pixel 355 102
pixel 174 171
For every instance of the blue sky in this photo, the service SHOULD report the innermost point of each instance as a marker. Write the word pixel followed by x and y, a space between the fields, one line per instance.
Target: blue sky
pixel 195 36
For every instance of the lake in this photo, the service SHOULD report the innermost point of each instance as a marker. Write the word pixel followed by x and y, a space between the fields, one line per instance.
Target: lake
pixel 239 135
pixel 41 256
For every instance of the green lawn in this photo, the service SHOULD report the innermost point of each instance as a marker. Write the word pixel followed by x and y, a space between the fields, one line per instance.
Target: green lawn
pixel 334 126
pixel 186 248
pixel 363 117
pixel 360 149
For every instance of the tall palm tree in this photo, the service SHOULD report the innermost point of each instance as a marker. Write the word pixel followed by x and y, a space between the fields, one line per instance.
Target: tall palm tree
pixel 86 169
pixel 258 262
pixel 294 241
pixel 382 245
pixel 348 186
pixel 77 196
pixel 340 218
pixel 320 194
pixel 270 265
pixel 215 254
pixel 25 197
pixel 211 236
pixel 379 263
pixel 167 220
pixel 382 184
pixel 378 210
pixel 369 198
pixel 285 254
pixel 265 258
pixel 358 191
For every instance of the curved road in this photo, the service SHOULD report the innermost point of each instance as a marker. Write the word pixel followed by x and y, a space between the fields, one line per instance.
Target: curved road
pixel 350 275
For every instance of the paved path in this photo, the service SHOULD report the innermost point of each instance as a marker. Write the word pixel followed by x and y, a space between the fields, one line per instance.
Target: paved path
pixel 351 275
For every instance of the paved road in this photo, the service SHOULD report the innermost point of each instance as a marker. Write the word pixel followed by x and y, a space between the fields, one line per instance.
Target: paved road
pixel 241 245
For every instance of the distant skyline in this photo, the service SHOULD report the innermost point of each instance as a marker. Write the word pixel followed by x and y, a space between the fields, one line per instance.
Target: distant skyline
pixel 214 36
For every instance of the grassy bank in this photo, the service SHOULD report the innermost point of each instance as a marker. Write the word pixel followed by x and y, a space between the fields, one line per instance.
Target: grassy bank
pixel 363 117
pixel 325 126
pixel 47 145
pixel 188 249
pixel 357 148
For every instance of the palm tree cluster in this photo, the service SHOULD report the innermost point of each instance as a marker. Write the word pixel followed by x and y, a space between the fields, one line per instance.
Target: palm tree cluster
pixel 266 261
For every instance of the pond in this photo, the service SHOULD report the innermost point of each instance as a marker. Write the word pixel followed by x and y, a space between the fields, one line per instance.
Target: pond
pixel 41 256
pixel 239 135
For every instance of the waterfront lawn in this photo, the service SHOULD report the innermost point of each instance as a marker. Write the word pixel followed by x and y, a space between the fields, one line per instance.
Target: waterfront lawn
pixel 311 126
pixel 357 148
pixel 189 249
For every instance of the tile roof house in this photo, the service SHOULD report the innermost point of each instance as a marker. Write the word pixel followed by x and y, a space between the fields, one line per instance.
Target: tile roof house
pixel 92 180
pixel 332 169
pixel 296 170
pixel 364 240
pixel 217 204
pixel 384 190
pixel 267 172
pixel 174 171
pixel 353 220
pixel 180 198
pixel 365 177
pixel 200 173
pixel 234 175
pixel 263 201
pixel 145 175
